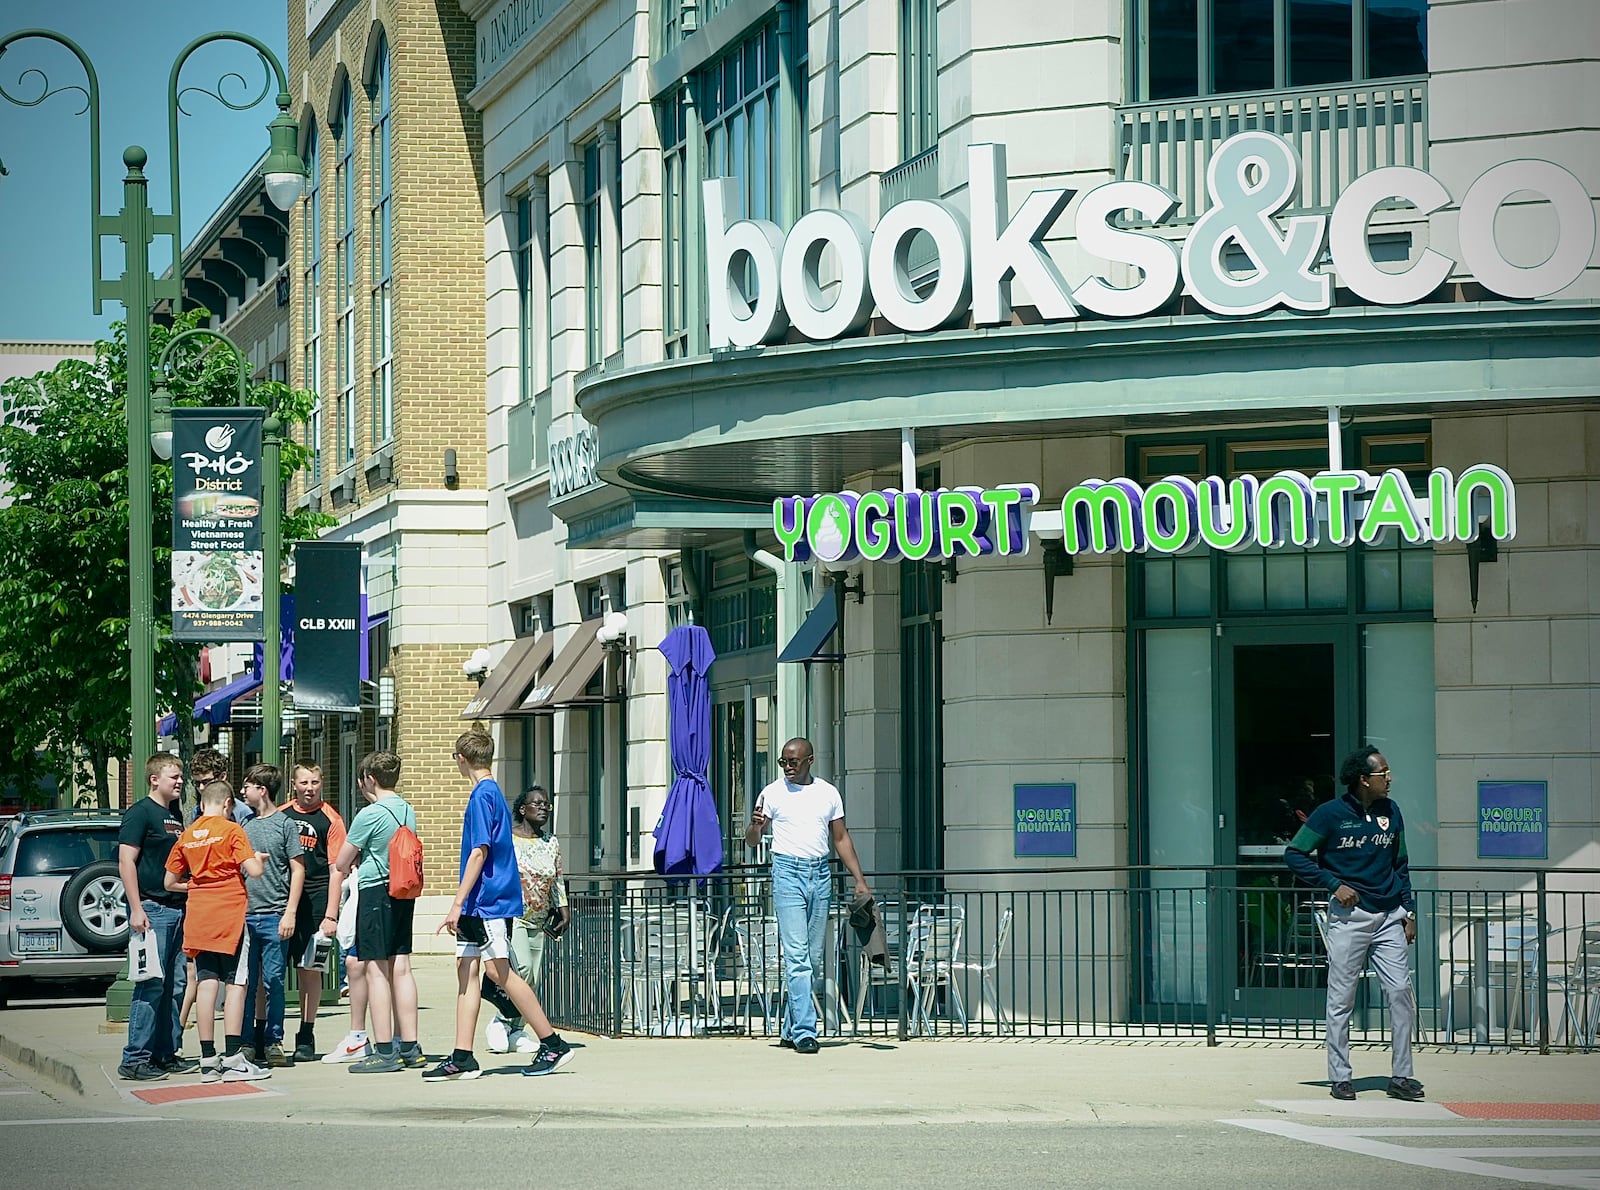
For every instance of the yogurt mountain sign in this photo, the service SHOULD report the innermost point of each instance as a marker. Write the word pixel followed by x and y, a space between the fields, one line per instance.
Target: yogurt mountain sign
pixel 1251 177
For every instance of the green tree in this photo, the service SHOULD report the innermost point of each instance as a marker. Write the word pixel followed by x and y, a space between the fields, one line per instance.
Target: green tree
pixel 64 682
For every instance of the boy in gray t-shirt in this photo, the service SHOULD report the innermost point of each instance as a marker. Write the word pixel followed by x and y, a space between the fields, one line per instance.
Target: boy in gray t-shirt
pixel 269 920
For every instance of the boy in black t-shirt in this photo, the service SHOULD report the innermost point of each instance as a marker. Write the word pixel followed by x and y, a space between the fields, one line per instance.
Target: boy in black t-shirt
pixel 150 828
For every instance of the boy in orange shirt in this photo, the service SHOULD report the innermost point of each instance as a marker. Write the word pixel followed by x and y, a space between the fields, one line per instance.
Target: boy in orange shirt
pixel 215 854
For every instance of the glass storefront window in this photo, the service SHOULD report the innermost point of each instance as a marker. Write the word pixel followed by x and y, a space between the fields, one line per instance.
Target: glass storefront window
pixel 1321 41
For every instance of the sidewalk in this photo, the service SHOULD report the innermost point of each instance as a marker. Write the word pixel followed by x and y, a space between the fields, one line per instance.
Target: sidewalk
pixel 735 1082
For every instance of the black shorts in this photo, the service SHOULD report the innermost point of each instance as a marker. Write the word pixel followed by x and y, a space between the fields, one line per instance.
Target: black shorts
pixel 225 967
pixel 383 924
pixel 308 917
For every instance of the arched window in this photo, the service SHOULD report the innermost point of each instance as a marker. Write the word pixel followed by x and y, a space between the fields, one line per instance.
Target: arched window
pixel 311 376
pixel 344 234
pixel 382 253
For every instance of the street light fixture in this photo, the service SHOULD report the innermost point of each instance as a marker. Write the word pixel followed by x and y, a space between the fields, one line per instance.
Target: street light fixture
pixel 136 225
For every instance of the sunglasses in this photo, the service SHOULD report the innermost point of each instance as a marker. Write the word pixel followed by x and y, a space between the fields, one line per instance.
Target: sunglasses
pixel 789 762
pixel 1383 773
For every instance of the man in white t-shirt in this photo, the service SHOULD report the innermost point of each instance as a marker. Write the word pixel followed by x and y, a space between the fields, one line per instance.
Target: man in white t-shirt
pixel 806 815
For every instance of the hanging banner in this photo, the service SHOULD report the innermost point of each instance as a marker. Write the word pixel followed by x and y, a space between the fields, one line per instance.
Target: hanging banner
pixel 216 525
pixel 327 626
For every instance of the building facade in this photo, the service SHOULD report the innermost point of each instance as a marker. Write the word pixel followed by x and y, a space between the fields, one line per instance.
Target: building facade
pixel 385 264
pixel 738 253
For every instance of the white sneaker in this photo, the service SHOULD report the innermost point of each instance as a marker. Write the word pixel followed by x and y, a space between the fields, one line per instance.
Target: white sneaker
pixel 354 1045
pixel 210 1070
pixel 236 1068
pixel 498 1036
pixel 524 1042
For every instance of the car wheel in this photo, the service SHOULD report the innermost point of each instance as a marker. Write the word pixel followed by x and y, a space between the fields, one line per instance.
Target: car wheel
pixel 94 908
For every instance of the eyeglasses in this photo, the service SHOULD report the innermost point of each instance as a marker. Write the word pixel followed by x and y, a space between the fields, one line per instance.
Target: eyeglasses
pixel 1384 773
pixel 792 761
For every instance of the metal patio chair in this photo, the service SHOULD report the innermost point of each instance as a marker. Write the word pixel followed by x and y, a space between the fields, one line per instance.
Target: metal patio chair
pixel 986 971
pixel 933 948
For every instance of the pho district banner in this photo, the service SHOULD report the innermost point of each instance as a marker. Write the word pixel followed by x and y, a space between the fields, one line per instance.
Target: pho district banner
pixel 327 626
pixel 1169 516
pixel 216 525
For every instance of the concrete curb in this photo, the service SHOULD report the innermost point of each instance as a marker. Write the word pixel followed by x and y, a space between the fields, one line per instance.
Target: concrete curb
pixel 52 1068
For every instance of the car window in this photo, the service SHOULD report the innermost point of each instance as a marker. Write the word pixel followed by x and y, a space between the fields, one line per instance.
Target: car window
pixel 47 852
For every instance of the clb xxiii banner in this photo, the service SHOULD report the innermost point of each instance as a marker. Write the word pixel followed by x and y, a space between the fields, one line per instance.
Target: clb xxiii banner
pixel 216 525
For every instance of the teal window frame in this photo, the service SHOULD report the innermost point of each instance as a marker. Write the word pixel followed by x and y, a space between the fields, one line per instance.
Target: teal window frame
pixel 344 187
pixel 311 376
pixel 919 77
pixel 1228 32
pixel 530 253
pixel 382 232
pixel 591 207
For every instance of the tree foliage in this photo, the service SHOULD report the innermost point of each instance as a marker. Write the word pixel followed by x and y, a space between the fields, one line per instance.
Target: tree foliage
pixel 65 699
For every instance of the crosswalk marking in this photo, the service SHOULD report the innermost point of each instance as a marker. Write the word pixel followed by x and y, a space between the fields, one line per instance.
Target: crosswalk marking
pixel 1379 1142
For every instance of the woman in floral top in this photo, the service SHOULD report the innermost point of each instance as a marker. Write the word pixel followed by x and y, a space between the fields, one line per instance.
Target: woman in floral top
pixel 539 864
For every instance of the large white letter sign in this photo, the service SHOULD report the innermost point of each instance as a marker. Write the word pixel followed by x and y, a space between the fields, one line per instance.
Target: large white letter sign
pixel 847 234
pixel 1154 256
pixel 1575 230
pixel 734 321
pixel 1018 250
pixel 888 269
pixel 1347 236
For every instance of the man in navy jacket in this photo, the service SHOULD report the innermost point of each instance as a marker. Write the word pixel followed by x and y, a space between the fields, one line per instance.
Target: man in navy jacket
pixel 1355 848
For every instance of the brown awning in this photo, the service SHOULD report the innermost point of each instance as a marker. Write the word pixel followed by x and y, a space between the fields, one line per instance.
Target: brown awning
pixel 499 696
pixel 574 667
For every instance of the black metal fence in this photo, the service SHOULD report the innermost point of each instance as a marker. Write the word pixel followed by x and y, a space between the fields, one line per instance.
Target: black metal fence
pixel 1504 957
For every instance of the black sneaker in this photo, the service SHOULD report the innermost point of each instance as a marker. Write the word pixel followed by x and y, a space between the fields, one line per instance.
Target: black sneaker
pixel 552 1056
pixel 141 1072
pixel 450 1070
pixel 1342 1091
pixel 806 1045
pixel 413 1058
pixel 177 1064
pixel 785 1043
pixel 305 1051
pixel 1408 1089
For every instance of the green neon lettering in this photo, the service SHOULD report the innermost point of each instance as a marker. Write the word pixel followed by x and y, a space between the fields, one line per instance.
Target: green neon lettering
pixel 1170 493
pixel 874 537
pixel 1441 504
pixel 1393 506
pixel 954 530
pixel 1099 503
pixel 905 532
pixel 1294 488
pixel 1337 488
pixel 1502 497
pixel 789 524
pixel 999 501
pixel 1239 510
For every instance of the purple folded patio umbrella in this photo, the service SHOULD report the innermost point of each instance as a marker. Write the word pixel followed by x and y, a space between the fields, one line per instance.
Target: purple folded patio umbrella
pixel 689 836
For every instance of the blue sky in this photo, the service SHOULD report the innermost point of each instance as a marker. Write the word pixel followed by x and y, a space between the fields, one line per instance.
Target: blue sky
pixel 44 202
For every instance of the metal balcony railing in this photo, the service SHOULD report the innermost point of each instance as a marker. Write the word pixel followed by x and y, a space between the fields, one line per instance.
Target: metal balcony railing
pixel 916 178
pixel 1504 958
pixel 528 439
pixel 1339 132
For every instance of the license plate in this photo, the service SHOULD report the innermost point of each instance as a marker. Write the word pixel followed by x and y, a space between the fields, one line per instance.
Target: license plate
pixel 38 941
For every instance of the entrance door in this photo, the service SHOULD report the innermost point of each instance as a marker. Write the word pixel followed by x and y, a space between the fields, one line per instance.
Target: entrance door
pixel 1289 712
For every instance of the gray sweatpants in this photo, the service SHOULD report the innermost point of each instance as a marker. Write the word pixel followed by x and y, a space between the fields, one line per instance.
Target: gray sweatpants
pixel 1353 934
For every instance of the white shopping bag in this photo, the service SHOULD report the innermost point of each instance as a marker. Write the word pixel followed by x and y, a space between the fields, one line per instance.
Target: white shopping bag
pixel 144 956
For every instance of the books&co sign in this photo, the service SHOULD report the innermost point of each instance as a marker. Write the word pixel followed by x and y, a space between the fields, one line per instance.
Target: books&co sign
pixel 1250 179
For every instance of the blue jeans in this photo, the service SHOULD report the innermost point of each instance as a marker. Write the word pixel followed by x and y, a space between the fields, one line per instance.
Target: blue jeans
pixel 153 1032
pixel 265 966
pixel 801 892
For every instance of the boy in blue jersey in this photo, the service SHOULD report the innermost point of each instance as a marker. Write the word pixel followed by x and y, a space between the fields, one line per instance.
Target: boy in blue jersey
pixel 487 900
pixel 1360 845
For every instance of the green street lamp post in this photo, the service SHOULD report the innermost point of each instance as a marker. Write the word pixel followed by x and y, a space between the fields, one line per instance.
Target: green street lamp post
pixel 136 225
pixel 272 526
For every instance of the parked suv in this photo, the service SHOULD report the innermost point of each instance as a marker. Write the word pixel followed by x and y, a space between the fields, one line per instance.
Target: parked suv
pixel 63 914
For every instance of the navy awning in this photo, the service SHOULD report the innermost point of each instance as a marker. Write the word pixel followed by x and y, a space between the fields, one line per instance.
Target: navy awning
pixel 216 706
pixel 820 624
